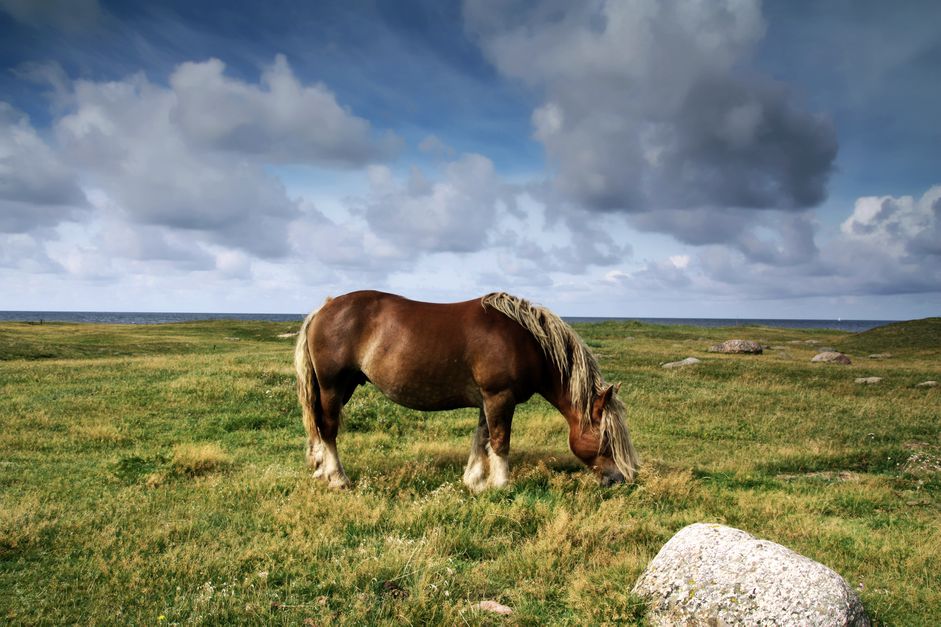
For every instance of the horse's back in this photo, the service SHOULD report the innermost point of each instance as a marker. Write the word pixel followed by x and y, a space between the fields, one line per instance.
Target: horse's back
pixel 423 355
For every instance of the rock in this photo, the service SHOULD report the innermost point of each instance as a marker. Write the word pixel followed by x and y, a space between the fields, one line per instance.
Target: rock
pixel 493 606
pixel 869 380
pixel 715 575
pixel 283 335
pixel 832 357
pixel 689 361
pixel 880 356
pixel 737 346
pixel 927 384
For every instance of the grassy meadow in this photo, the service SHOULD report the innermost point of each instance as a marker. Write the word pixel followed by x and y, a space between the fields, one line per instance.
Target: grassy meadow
pixel 155 475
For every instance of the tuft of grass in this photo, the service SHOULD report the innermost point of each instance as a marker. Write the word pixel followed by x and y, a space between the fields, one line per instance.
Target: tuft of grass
pixel 194 460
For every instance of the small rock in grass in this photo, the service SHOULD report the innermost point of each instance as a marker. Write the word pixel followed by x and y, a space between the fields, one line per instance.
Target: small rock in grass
pixel 493 606
pixel 287 334
pixel 832 357
pixel 711 574
pixel 868 380
pixel 880 356
pixel 927 384
pixel 689 361
pixel 737 346
pixel 394 590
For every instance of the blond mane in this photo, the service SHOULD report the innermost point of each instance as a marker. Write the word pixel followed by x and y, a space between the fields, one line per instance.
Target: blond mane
pixel 572 357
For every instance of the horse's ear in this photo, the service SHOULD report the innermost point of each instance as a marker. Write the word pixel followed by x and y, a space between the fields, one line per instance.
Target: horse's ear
pixel 617 387
pixel 607 394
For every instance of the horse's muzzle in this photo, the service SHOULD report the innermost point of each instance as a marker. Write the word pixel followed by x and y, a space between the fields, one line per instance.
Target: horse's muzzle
pixel 608 479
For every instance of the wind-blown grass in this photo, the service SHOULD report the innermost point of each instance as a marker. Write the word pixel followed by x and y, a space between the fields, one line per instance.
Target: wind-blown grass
pixel 156 475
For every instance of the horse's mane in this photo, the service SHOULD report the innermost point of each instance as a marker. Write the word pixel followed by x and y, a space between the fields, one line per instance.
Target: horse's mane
pixel 572 357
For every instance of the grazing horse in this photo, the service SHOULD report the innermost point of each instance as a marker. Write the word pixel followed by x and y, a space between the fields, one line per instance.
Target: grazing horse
pixel 492 353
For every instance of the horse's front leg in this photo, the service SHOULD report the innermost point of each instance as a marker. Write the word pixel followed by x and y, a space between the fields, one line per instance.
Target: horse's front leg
pixel 475 474
pixel 499 410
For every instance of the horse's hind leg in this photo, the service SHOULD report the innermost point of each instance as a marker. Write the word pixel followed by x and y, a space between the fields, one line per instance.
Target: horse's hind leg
pixel 329 422
pixel 315 454
pixel 475 475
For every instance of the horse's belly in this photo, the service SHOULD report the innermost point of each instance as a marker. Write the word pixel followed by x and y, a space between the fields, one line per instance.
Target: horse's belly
pixel 429 393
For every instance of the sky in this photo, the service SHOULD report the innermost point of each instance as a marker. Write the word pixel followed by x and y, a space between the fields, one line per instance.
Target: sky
pixel 636 158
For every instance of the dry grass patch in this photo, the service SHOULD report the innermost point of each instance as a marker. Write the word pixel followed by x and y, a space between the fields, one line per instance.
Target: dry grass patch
pixel 24 522
pixel 194 460
pixel 99 433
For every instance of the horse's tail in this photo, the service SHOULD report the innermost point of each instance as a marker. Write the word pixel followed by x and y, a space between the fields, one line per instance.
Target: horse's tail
pixel 308 389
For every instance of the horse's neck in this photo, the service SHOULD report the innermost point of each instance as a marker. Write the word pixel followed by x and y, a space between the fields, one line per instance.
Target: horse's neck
pixel 559 396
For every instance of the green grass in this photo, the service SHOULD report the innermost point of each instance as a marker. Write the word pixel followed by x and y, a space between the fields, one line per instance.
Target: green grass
pixel 154 474
pixel 918 337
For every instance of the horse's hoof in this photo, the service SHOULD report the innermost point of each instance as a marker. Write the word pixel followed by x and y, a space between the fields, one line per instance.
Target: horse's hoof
pixel 475 479
pixel 476 486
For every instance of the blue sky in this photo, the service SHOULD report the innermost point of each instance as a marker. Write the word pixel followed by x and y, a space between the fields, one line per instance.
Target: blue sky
pixel 724 159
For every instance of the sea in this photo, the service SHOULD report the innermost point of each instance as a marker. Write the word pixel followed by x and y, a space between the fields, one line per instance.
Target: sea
pixel 150 317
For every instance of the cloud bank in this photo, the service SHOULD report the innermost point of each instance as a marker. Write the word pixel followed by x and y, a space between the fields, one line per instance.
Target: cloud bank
pixel 647 106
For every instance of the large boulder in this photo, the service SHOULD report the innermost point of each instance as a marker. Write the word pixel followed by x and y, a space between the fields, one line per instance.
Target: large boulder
pixel 715 575
pixel 832 357
pixel 737 346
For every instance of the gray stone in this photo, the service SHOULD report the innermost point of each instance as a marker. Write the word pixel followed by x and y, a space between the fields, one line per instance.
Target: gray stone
pixel 689 361
pixel 927 384
pixel 832 357
pixel 880 356
pixel 716 575
pixel 868 380
pixel 737 346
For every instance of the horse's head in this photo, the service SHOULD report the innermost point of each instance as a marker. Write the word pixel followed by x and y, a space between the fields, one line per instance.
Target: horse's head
pixel 592 445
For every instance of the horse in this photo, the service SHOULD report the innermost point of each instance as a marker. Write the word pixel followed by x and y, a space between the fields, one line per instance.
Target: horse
pixel 491 353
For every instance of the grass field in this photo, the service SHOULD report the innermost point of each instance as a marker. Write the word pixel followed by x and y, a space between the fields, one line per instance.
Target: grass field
pixel 154 475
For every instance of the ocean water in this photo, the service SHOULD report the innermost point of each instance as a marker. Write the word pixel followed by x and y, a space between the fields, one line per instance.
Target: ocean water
pixel 145 317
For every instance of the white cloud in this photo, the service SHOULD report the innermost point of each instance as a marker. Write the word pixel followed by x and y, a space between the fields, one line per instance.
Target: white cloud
pixel 887 245
pixel 37 189
pixel 191 157
pixel 679 261
pixel 454 214
pixel 901 225
pixel 123 136
pixel 175 169
pixel 279 119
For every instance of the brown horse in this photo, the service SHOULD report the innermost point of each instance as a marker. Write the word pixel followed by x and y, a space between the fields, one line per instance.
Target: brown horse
pixel 492 353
